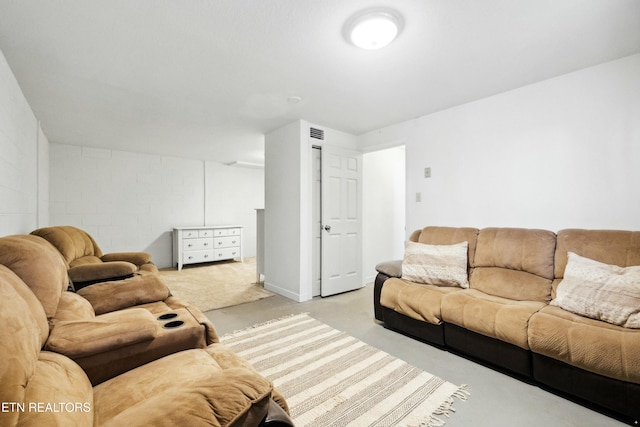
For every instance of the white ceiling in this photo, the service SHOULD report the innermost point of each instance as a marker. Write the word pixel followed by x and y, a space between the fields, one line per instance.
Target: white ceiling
pixel 208 78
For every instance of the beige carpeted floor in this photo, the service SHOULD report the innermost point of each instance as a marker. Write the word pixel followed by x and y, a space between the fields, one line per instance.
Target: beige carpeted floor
pixel 216 285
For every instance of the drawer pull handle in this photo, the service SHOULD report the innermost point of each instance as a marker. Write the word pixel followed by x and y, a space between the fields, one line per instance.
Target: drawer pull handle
pixel 190 257
pixel 233 241
pixel 206 255
pixel 206 244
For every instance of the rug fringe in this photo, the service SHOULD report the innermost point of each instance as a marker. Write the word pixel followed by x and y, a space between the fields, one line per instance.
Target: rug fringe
pixel 446 408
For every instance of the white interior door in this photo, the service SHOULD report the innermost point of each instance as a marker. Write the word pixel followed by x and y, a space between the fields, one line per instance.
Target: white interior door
pixel 341 220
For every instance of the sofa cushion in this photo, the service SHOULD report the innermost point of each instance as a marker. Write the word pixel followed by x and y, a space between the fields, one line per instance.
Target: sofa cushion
pixel 137 258
pixel 72 242
pixel 111 331
pixel 447 236
pixel 118 294
pixel 61 392
pixel 441 265
pixel 39 265
pixel 101 271
pixel 20 342
pixel 192 384
pixel 489 315
pixel 514 263
pixel 417 301
pixel 589 344
pixel 616 247
pixel 600 291
pixel 72 307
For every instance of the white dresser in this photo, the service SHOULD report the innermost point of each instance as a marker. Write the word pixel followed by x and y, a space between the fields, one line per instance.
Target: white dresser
pixel 206 243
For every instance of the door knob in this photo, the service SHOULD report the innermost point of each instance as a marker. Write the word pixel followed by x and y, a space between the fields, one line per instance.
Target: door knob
pixel 327 228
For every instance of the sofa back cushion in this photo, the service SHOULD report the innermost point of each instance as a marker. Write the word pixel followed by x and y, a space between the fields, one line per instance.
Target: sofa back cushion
pixel 73 243
pixel 21 338
pixel 448 236
pixel 39 265
pixel 514 263
pixel 615 247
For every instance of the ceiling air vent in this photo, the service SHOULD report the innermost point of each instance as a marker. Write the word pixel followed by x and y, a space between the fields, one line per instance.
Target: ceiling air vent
pixel 317 134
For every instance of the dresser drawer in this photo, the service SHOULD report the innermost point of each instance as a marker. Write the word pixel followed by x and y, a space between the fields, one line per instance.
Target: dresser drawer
pixel 198 244
pixel 226 242
pixel 191 257
pixel 206 233
pixel 190 234
pixel 226 232
pixel 226 253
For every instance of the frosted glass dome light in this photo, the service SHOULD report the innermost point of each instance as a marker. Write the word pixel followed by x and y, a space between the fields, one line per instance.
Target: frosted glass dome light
pixel 373 29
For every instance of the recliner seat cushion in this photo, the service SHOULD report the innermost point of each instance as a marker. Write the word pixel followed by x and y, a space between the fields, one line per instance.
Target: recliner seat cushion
pixel 180 389
pixel 592 345
pixel 118 294
pixel 489 315
pixel 101 271
pixel 417 301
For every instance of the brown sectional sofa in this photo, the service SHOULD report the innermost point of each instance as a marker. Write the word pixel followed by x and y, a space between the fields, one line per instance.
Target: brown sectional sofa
pixel 115 362
pixel 506 318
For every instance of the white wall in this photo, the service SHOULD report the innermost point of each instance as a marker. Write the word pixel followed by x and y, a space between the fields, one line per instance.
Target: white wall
pixel 23 160
pixel 130 201
pixel 561 153
pixel 287 227
pixel 383 208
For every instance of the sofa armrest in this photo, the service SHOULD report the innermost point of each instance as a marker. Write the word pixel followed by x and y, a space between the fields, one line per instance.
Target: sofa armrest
pixel 81 338
pixel 110 296
pixel 137 258
pixel 103 271
pixel 390 268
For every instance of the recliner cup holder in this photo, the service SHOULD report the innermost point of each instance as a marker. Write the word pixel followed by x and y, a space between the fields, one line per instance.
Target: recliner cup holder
pixel 173 324
pixel 167 316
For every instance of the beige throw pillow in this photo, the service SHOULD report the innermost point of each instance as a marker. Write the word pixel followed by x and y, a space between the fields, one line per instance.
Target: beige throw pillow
pixel 441 265
pixel 600 291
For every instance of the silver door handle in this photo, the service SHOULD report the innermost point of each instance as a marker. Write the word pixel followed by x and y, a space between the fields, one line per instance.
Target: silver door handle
pixel 327 228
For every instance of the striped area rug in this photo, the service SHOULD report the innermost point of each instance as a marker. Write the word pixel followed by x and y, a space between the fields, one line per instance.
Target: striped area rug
pixel 332 379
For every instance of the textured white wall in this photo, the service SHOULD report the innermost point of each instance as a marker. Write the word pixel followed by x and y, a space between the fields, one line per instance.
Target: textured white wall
pixel 556 154
pixel 132 201
pixel 23 160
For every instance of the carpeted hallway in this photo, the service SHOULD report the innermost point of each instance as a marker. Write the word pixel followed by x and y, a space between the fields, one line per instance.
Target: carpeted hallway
pixel 496 400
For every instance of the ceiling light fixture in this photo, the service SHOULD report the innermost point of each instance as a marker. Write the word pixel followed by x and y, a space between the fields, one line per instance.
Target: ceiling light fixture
pixel 373 28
